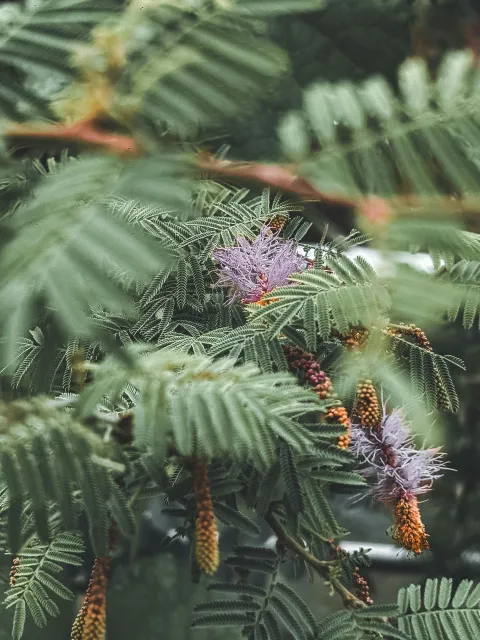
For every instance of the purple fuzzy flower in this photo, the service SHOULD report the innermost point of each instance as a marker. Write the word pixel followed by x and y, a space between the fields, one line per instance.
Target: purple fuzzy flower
pixel 253 268
pixel 392 460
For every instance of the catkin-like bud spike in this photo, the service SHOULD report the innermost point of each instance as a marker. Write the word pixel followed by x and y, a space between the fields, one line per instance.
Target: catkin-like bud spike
pixel 339 415
pixel 409 529
pixel 367 407
pixel 206 538
pixel 90 623
pixel 278 222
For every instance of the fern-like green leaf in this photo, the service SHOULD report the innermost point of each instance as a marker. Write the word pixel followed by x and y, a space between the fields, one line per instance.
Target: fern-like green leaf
pixel 436 611
pixel 34 583
pixel 206 404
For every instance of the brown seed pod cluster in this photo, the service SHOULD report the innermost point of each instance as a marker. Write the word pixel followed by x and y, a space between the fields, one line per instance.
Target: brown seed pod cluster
pixel 13 571
pixel 367 407
pixel 411 330
pixel 356 338
pixel 299 360
pixel 206 538
pixel 362 590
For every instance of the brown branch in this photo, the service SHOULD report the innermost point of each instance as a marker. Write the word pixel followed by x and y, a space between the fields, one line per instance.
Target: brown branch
pixel 376 210
pixel 274 175
pixel 83 132
pixel 321 566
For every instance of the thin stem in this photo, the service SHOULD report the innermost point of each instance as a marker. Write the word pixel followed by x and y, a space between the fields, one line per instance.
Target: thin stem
pixel 321 566
pixel 85 132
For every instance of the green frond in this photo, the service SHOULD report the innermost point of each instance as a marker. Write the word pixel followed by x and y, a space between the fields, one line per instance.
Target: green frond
pixel 272 625
pixel 205 405
pixel 34 583
pixel 337 626
pixel 255 551
pixel 340 300
pixel 231 619
pixel 437 610
pixel 291 480
pixel 326 456
pixel 224 606
pixel 251 563
pixel 466 275
pixel 283 611
pixel 318 511
pixel 429 373
pixel 301 610
pixel 394 143
pixel 47 456
pixel 271 8
pixel 121 510
pixel 266 489
pixel 43 40
pixel 238 588
pixel 42 258
pixel 360 624
pixel 211 61
pixel 224 486
pixel 337 477
pixel 236 518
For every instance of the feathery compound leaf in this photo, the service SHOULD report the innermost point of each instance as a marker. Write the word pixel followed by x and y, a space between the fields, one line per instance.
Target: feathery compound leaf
pixel 266 489
pixel 42 42
pixel 318 509
pixel 121 510
pixel 238 588
pixel 47 431
pixel 291 479
pixel 19 619
pixel 337 626
pixel 338 477
pixel 57 252
pixel 236 518
pixel 297 604
pixel 206 405
pixel 385 148
pixel 435 611
pixel 34 584
pixel 224 606
pixel 333 303
pixel 212 61
pixel 231 619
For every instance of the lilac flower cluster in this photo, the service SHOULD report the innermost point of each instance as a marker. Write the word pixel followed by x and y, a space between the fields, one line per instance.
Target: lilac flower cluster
pixel 251 269
pixel 392 460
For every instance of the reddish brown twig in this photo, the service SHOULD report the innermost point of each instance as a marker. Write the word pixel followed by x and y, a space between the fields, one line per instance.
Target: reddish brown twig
pixel 282 177
pixel 84 132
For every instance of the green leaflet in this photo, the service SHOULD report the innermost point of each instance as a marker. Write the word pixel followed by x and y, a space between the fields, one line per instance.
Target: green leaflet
pixel 35 586
pixel 436 610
